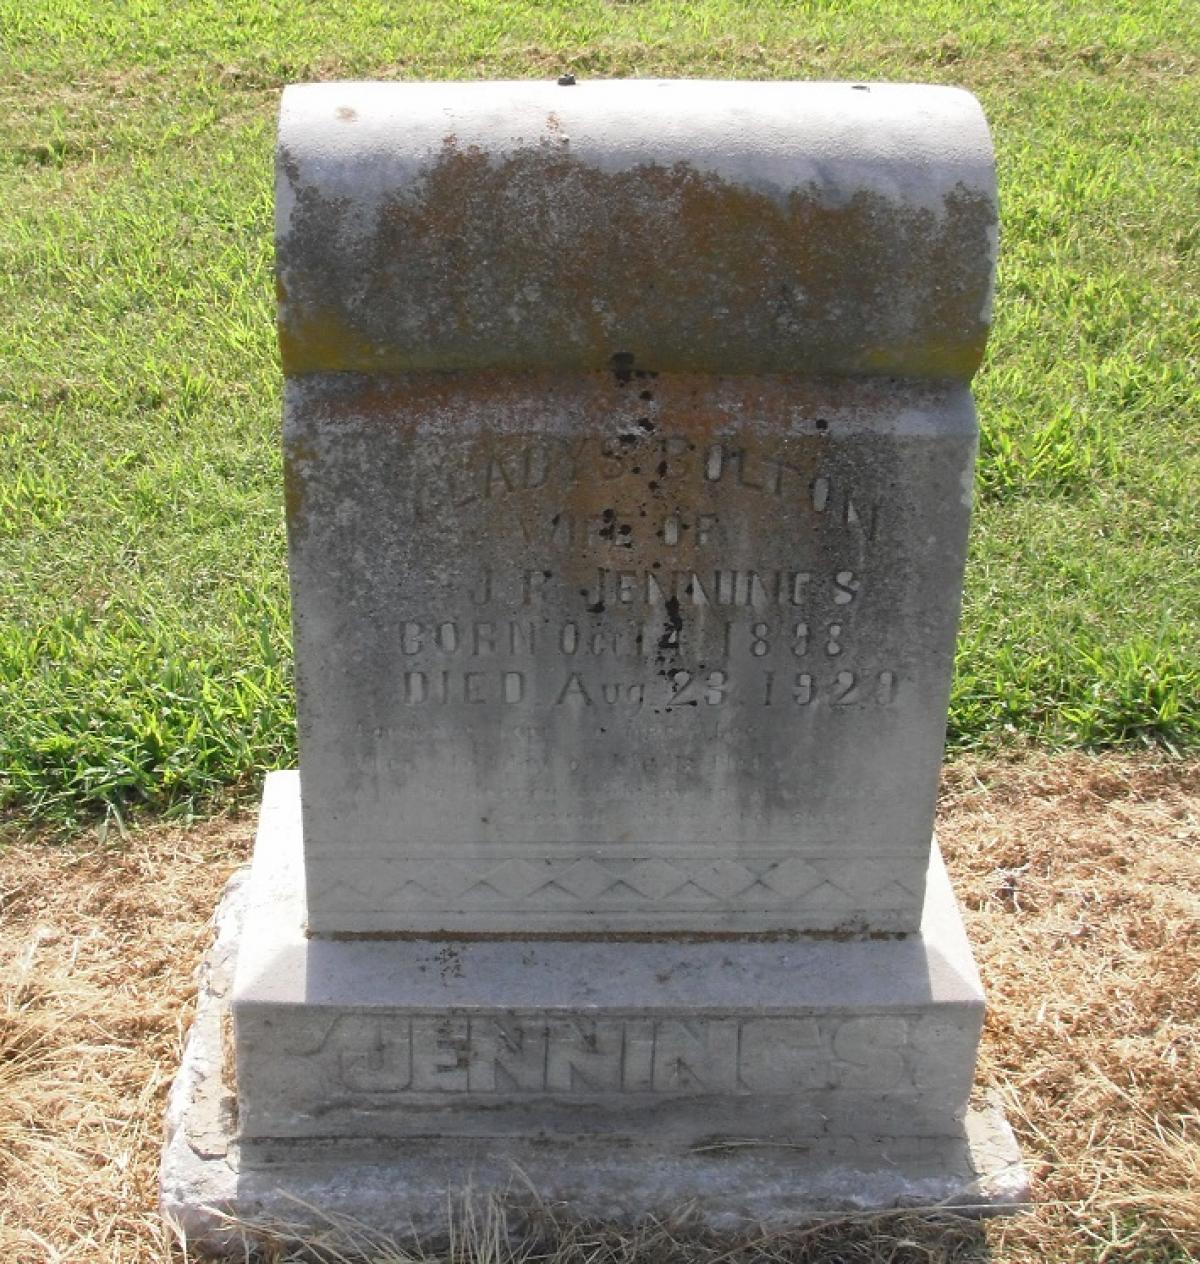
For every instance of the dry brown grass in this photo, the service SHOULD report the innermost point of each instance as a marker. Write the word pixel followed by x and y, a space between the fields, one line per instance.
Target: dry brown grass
pixel 98 943
pixel 1081 885
pixel 1081 881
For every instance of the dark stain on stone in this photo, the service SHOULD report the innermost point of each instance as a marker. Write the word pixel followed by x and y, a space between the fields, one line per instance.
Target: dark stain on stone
pixel 673 626
pixel 596 608
pixel 646 395
pixel 622 366
pixel 450 963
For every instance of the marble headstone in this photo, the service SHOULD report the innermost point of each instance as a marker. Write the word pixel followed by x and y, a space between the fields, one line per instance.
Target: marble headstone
pixel 628 450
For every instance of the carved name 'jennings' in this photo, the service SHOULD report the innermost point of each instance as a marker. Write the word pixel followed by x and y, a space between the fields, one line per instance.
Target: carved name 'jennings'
pixel 420 1055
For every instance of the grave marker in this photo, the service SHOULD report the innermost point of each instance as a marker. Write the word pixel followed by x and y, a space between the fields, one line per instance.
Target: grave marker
pixel 628 447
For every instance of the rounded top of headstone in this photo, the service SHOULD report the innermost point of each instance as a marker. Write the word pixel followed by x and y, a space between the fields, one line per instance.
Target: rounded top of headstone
pixel 720 227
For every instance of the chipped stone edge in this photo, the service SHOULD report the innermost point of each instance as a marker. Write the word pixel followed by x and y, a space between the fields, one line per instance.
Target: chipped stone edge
pixel 341 1198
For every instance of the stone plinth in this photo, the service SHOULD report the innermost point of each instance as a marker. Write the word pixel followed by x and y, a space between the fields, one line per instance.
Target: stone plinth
pixel 628 446
pixel 688 1038
pixel 759 1082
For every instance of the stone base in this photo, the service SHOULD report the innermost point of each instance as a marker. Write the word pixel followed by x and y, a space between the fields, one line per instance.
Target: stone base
pixel 753 1082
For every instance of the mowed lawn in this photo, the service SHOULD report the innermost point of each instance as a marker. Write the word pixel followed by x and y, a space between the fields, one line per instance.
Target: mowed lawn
pixel 144 640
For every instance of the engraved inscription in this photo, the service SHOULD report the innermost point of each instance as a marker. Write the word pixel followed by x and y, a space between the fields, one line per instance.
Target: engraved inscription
pixel 480 474
pixel 650 638
pixel 657 588
pixel 424 1055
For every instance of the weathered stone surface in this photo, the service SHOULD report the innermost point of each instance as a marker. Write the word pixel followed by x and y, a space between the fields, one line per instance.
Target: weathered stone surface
pixel 704 227
pixel 612 615
pixel 218 1186
pixel 597 654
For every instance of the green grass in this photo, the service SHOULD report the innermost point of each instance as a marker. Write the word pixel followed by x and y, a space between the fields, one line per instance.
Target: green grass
pixel 144 644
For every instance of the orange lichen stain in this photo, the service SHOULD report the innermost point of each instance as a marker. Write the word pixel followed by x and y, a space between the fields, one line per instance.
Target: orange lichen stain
pixel 956 361
pixel 296 456
pixel 325 343
pixel 539 260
